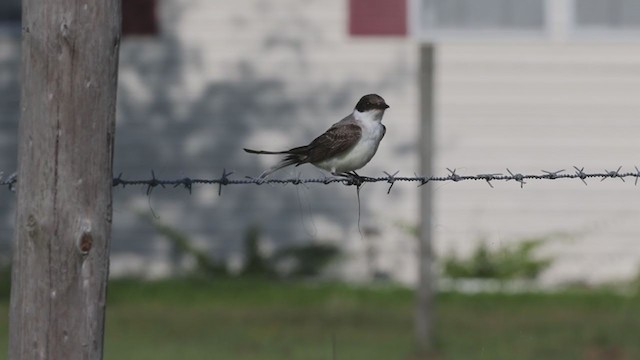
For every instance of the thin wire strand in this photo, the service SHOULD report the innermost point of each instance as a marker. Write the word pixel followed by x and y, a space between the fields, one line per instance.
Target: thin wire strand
pixel 490 178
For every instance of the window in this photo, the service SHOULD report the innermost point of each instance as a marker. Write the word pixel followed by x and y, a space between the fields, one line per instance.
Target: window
pixel 486 14
pixel 473 16
pixel 607 15
pixel 441 20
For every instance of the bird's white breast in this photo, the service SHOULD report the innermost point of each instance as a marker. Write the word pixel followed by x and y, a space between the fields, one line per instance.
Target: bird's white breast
pixel 364 149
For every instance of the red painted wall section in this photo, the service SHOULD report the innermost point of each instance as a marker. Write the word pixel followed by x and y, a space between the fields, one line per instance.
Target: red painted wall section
pixel 378 17
pixel 139 17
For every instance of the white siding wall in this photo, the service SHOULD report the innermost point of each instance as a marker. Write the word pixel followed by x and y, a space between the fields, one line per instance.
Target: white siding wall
pixel 542 107
pixel 268 74
pixel 223 75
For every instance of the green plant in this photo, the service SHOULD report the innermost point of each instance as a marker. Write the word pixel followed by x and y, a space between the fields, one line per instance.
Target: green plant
pixel 5 282
pixel 307 260
pixel 303 260
pixel 182 246
pixel 506 262
pixel 256 263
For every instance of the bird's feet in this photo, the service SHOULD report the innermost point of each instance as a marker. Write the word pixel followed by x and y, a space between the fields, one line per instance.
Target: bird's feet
pixel 353 178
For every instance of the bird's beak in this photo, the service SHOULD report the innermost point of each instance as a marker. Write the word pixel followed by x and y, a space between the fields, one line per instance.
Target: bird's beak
pixel 386 106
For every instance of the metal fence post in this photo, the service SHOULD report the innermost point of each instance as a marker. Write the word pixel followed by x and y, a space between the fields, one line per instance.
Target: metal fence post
pixel 425 307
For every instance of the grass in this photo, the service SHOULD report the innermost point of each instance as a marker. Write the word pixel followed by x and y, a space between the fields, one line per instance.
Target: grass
pixel 257 319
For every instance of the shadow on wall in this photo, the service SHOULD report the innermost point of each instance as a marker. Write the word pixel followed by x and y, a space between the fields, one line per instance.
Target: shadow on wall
pixel 166 124
pixel 9 116
pixel 164 127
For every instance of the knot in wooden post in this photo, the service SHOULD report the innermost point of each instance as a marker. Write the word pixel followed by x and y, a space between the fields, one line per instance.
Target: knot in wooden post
pixel 85 240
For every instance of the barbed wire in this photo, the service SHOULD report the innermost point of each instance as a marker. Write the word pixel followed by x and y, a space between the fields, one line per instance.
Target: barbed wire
pixel 353 180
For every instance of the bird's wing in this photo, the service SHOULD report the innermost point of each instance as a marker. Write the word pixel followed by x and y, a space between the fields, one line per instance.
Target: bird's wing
pixel 338 139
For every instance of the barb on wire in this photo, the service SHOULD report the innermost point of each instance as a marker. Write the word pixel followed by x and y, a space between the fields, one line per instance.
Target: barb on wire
pixel 390 178
pixel 489 177
pixel 580 174
pixel 552 174
pixel 453 176
pixel 9 181
pixel 517 177
pixel 224 180
pixel 613 174
pixel 187 183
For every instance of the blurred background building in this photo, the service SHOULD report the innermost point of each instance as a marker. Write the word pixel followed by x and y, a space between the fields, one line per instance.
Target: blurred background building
pixel 528 85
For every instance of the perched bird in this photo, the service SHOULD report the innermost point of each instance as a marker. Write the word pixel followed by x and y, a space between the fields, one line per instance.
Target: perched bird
pixel 347 146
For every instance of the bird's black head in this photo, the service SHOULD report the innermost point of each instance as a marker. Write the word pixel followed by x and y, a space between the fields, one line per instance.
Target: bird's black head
pixel 371 102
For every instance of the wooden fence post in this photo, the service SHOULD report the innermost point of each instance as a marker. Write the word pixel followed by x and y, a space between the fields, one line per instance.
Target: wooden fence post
pixel 63 223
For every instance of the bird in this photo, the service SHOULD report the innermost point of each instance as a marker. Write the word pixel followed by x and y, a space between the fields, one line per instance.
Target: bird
pixel 345 147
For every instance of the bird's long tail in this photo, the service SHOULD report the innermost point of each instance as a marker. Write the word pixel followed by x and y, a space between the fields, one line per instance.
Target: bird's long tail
pixel 250 151
pixel 290 159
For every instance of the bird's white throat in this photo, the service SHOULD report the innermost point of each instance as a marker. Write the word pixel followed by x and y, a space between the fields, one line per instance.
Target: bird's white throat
pixel 368 116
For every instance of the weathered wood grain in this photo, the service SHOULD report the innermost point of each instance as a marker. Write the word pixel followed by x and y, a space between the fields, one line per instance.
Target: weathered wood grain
pixel 63 223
